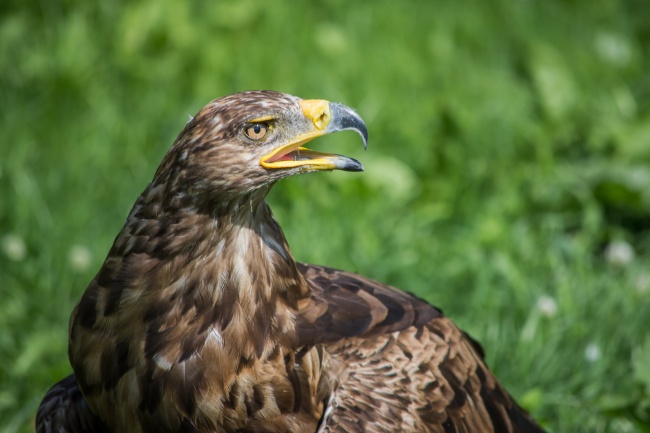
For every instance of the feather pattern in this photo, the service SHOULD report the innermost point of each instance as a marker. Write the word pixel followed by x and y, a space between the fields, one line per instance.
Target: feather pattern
pixel 200 320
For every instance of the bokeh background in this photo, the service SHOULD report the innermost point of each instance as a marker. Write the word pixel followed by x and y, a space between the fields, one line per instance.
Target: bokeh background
pixel 507 177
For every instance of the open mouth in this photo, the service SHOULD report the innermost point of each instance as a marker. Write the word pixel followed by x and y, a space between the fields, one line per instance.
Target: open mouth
pixel 300 154
pixel 293 154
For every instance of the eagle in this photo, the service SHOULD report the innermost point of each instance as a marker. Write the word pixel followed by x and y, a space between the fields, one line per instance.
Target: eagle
pixel 200 320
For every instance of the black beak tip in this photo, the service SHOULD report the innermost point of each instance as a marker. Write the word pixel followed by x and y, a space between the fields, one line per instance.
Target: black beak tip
pixel 352 165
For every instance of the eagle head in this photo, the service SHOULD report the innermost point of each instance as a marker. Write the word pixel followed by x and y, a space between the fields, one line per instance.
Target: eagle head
pixel 241 144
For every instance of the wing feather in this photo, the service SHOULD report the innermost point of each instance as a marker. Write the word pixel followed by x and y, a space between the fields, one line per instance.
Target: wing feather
pixel 403 365
pixel 64 410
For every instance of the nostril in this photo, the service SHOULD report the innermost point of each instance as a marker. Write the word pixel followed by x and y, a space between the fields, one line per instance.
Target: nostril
pixel 322 120
pixel 316 110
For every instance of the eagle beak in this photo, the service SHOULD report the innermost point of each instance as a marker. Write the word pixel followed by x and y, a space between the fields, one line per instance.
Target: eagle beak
pixel 326 117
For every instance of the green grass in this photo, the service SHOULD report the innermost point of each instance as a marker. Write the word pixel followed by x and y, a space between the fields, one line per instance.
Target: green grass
pixel 509 148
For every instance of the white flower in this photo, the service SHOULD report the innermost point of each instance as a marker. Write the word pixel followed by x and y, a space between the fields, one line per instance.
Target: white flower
pixel 613 48
pixel 14 247
pixel 642 283
pixel 547 306
pixel 619 253
pixel 79 258
pixel 592 352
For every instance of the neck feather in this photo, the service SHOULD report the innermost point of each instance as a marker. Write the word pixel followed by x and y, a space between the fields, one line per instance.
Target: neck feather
pixel 228 273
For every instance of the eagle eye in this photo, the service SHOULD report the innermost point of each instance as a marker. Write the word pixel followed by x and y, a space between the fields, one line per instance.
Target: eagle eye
pixel 257 130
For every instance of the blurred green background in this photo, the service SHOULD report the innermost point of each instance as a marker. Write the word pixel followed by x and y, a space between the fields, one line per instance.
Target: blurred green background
pixel 507 177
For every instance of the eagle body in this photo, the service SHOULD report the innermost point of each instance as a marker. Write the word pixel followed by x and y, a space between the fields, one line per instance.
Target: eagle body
pixel 201 321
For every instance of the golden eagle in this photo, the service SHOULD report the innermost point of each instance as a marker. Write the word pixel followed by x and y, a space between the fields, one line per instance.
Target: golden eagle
pixel 200 320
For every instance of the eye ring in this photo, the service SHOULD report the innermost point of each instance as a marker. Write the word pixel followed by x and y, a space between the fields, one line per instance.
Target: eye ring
pixel 257 131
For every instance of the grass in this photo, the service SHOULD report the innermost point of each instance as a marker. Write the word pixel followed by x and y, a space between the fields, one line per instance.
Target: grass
pixel 506 178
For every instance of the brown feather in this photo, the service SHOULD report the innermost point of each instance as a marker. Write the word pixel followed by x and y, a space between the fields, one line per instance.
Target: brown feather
pixel 201 321
pixel 409 368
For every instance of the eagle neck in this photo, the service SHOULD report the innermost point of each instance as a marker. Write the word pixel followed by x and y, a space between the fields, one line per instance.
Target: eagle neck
pixel 256 284
pixel 252 245
pixel 226 273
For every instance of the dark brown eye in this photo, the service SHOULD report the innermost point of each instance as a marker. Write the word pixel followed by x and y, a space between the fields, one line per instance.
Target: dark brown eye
pixel 257 131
